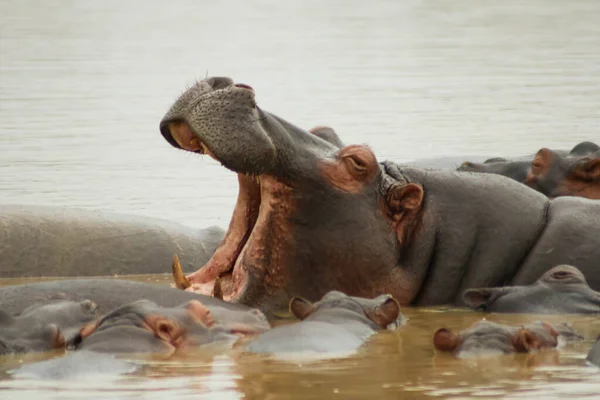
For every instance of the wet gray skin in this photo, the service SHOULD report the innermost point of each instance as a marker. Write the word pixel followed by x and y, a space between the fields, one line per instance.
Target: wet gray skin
pixel 312 217
pixel 594 354
pixel 336 325
pixel 43 327
pixel 76 366
pixel 55 241
pixel 562 290
pixel 145 327
pixel 109 294
pixel 516 170
pixel 485 338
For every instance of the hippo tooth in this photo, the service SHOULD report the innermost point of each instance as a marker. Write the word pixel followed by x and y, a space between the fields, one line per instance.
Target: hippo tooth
pixel 181 281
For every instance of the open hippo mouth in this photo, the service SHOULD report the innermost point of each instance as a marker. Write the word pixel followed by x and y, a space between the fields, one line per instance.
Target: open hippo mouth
pixel 283 171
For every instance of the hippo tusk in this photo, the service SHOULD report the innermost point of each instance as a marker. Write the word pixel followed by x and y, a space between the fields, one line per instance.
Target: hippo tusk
pixel 218 290
pixel 181 281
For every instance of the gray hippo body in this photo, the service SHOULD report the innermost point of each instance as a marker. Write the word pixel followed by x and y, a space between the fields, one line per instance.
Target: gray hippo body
pixel 561 290
pixel 594 354
pixel 54 241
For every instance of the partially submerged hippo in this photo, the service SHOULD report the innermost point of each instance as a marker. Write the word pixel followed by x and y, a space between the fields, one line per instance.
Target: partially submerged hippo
pixel 145 327
pixel 43 326
pixel 562 290
pixel 552 172
pixel 312 217
pixel 109 294
pixel 575 175
pixel 55 241
pixel 485 338
pixel 335 326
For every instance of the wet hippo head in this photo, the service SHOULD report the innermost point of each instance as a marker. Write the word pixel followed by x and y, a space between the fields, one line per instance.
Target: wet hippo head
pixel 143 326
pixel 311 216
pixel 577 174
pixel 485 338
pixel 516 170
pixel 383 311
pixel 562 289
pixel 44 326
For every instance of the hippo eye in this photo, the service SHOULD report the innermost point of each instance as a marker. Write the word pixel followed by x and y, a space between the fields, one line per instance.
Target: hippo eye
pixel 358 164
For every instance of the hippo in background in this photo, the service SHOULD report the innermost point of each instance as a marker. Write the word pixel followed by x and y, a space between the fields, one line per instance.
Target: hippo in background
pixel 335 326
pixel 485 338
pixel 551 172
pixel 55 241
pixel 44 326
pixel 561 290
pixel 577 174
pixel 312 217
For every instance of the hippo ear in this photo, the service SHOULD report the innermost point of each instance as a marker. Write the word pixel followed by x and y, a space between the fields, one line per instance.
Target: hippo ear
pixel 540 162
pixel 385 313
pixel 587 169
pixel 404 202
pixel 445 340
pixel 301 308
pixel 200 312
pixel 525 341
pixel 481 298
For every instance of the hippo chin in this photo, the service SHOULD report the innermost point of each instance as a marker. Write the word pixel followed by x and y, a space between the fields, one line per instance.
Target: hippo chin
pixel 312 217
pixel 562 290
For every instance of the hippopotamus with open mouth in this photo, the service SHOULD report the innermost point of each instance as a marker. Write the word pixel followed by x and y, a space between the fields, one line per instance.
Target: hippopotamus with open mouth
pixel 312 217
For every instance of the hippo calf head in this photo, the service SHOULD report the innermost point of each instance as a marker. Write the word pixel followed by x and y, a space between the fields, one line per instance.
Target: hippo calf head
pixel 311 215
pixel 383 311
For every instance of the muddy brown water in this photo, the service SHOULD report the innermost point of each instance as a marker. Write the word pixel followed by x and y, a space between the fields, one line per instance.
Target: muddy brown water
pixel 83 85
pixel 392 365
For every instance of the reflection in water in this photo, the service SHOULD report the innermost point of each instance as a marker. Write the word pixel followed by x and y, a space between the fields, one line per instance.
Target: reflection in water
pixel 83 86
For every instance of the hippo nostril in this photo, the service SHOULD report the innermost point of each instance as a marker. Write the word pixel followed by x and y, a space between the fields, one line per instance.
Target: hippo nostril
pixel 219 82
pixel 244 86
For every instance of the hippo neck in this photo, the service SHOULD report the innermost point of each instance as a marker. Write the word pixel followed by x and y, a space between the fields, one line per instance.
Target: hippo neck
pixel 476 229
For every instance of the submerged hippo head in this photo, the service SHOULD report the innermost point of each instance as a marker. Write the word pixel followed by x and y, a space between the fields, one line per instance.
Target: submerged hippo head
pixel 44 326
pixel 383 311
pixel 143 326
pixel 485 338
pixel 311 216
pixel 563 289
pixel 516 170
pixel 577 174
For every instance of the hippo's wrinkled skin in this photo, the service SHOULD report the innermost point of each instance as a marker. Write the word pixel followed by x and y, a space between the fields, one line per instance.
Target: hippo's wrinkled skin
pixel 562 290
pixel 311 217
pixel 145 327
pixel 43 327
pixel 594 354
pixel 54 241
pixel 336 325
pixel 109 294
pixel 578 174
pixel 485 338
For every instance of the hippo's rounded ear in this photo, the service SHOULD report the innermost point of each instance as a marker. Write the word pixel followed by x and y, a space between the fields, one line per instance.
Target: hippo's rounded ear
pixel 386 313
pixel 200 312
pixel 481 298
pixel 327 134
pixel 587 169
pixel 445 340
pixel 301 308
pixel 525 341
pixel 403 199
pixel 540 162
